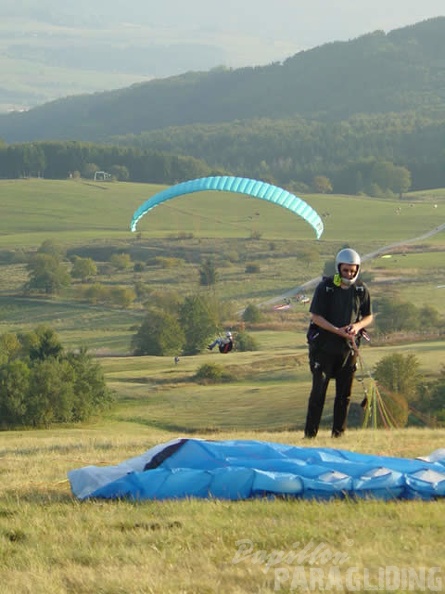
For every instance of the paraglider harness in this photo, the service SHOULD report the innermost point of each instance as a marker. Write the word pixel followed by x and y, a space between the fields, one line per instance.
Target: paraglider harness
pixel 314 332
pixel 226 348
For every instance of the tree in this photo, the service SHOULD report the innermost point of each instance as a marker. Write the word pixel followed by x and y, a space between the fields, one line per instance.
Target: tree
pixel 309 254
pixel 96 293
pixel 121 261
pixel 89 169
pixel 169 301
pixel 429 317
pixel 395 315
pixel 47 274
pixel 401 182
pixel 322 184
pixel 52 248
pixel 208 275
pixel 10 347
pixel 399 374
pixel 198 321
pixel 252 268
pixel 437 397
pixel 83 268
pixel 14 388
pixel 159 334
pixel 329 267
pixel 252 314
pixel 212 373
pixel 43 343
pixel 120 172
pixel 122 296
pixel 246 342
pixel 46 385
pixel 51 393
pixel 90 393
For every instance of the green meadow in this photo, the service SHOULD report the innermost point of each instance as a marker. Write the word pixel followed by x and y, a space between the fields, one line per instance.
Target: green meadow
pixel 51 543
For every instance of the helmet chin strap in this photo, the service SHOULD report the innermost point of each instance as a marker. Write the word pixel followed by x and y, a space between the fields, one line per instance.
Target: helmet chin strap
pixel 349 281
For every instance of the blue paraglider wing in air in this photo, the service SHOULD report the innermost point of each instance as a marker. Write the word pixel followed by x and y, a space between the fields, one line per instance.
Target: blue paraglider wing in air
pixel 240 185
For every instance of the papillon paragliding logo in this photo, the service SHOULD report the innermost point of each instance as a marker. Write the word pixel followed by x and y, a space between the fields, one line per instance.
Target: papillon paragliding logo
pixel 240 185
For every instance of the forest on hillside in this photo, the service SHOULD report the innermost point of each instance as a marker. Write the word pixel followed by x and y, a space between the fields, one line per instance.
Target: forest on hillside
pixel 295 151
pixel 378 73
pixel 381 157
pixel 364 116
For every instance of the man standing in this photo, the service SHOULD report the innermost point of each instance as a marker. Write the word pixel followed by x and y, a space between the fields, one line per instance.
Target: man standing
pixel 340 311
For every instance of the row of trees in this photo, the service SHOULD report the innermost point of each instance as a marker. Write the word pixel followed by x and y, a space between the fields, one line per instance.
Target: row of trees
pixel 60 160
pixel 396 314
pixel 172 325
pixel 50 272
pixel 376 176
pixel 354 154
pixel 175 326
pixel 41 383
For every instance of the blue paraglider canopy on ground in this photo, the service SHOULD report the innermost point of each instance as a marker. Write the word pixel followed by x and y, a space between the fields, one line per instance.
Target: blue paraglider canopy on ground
pixel 243 469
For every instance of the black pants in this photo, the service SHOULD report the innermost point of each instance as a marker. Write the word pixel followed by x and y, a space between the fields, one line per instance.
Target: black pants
pixel 324 367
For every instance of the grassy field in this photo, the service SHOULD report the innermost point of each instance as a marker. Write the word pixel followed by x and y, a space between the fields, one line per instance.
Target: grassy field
pixel 74 211
pixel 51 543
pixel 92 218
pixel 96 216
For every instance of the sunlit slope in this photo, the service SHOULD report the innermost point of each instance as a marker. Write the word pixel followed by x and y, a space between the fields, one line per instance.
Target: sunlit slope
pixel 76 211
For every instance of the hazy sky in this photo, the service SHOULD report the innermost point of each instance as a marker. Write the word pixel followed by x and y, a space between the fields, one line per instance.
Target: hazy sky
pixel 274 29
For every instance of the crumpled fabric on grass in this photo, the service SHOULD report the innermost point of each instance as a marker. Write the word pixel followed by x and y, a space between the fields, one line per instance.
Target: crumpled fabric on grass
pixel 244 469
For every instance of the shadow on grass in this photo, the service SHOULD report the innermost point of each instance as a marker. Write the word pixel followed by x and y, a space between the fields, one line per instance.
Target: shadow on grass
pixel 170 427
pixel 205 430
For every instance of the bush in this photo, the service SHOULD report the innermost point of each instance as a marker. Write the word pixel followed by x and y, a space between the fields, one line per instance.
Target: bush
pixel 159 334
pixel 47 385
pixel 246 342
pixel 253 268
pixel 198 318
pixel 211 373
pixel 399 374
pixel 252 314
pixel 121 261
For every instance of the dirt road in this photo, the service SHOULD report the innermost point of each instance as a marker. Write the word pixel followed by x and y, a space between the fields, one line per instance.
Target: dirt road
pixel 383 250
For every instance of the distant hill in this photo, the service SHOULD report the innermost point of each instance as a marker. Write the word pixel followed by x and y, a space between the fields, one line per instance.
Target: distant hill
pixel 51 48
pixel 401 71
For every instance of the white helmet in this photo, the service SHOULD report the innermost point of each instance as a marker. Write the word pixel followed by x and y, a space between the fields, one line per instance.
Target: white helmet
pixel 348 256
pixel 229 334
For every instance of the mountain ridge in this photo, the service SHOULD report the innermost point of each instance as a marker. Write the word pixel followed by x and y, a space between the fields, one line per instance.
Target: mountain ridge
pixel 403 70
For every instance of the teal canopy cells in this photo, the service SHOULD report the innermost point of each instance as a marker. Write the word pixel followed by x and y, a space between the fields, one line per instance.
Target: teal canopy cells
pixel 240 185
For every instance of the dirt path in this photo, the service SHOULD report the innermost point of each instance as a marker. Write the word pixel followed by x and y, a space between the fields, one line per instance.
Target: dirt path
pixel 383 250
